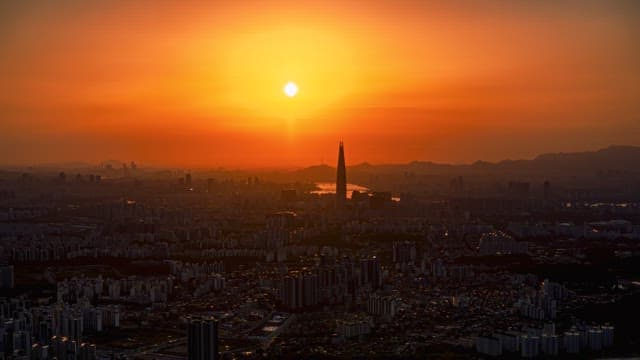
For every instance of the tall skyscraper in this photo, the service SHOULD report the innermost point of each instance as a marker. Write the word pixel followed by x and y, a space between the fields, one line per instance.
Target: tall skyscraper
pixel 203 338
pixel 341 181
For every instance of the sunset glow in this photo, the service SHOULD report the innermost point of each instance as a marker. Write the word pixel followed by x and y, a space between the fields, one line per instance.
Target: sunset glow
pixel 187 83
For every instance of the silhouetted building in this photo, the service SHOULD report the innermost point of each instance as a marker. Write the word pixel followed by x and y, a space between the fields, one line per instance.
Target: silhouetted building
pixel 6 276
pixel 291 292
pixel 357 196
pixel 300 291
pixel 281 220
pixel 379 199
pixel 382 306
pixel 404 252
pixel 371 272
pixel 341 180
pixel 203 338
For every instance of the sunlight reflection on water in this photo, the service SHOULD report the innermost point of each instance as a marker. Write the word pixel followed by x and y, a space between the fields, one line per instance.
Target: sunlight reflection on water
pixel 330 188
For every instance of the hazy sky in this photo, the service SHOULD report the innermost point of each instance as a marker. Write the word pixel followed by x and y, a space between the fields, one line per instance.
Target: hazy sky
pixel 199 83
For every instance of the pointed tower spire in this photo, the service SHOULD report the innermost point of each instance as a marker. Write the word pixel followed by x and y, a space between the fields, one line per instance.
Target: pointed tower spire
pixel 341 180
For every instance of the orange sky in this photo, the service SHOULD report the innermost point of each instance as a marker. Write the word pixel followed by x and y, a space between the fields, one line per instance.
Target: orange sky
pixel 199 83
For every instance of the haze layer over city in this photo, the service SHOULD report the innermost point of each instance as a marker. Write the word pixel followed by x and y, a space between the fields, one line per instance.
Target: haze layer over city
pixel 319 179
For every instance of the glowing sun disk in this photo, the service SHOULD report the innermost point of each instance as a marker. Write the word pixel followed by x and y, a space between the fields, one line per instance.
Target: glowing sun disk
pixel 290 89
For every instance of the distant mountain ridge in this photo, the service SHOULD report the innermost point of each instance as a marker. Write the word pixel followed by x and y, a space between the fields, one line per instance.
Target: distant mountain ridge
pixel 616 158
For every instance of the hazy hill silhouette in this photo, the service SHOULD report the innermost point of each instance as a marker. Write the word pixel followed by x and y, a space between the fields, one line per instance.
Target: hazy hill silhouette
pixel 613 159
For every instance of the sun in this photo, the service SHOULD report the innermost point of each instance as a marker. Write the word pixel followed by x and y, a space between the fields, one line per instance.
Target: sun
pixel 290 89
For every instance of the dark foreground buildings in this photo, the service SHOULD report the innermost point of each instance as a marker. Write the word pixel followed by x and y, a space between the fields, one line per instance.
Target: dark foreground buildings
pixel 203 338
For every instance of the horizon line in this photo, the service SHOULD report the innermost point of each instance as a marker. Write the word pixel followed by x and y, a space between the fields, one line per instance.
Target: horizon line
pixel 82 163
